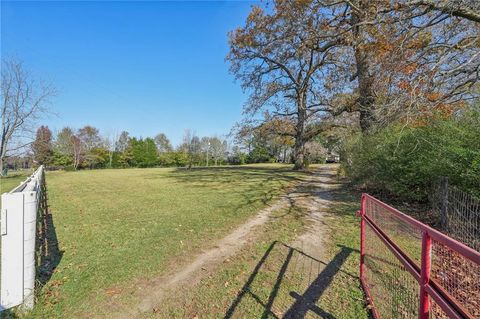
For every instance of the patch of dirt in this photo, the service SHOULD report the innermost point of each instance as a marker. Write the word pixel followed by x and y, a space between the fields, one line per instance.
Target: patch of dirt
pixel 314 198
pixel 312 195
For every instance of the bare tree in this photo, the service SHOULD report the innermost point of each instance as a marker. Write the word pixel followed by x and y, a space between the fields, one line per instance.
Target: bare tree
pixel 110 142
pixel 24 101
pixel 70 145
pixel 121 144
pixel 163 143
pixel 215 147
pixel 191 146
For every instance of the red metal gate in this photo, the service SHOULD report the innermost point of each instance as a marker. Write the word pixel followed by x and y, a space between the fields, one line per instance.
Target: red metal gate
pixel 410 270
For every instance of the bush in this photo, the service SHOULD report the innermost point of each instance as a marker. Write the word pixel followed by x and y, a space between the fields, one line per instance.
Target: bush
pixel 405 161
pixel 260 154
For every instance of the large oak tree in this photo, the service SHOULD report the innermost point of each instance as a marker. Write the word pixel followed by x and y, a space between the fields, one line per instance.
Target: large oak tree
pixel 282 57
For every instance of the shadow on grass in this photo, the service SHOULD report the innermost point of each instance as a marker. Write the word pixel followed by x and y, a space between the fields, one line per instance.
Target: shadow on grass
pixel 47 250
pixel 291 294
pixel 205 175
pixel 250 182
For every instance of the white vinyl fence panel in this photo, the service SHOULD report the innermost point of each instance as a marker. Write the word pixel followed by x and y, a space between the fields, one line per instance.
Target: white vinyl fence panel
pixel 18 236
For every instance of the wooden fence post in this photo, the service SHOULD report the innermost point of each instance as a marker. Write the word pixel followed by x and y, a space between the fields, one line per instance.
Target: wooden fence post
pixel 444 198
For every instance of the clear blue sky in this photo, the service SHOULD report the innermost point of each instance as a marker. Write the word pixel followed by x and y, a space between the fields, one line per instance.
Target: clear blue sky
pixel 145 67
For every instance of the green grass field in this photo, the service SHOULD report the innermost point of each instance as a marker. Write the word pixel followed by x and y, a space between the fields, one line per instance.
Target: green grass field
pixel 115 226
pixel 13 179
pixel 119 227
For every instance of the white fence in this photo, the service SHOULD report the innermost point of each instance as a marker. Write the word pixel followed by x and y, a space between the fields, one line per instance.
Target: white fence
pixel 18 220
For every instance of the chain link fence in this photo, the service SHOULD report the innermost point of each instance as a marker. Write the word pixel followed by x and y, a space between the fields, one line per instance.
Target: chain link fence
pixel 458 213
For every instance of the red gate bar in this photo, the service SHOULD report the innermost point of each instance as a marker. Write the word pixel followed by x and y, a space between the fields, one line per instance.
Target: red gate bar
pixel 428 287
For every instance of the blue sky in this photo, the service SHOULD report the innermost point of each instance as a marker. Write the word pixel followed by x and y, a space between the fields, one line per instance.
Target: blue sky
pixel 145 67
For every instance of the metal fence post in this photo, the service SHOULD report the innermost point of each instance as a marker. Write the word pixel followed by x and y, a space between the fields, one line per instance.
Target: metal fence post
pixel 424 310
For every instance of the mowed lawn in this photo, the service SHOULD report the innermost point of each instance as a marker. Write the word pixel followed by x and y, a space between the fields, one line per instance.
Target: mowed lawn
pixel 13 179
pixel 118 226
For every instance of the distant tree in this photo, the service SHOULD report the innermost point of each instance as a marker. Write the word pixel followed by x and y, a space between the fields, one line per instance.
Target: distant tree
pixel 90 141
pixel 150 151
pixel 269 141
pixel 63 143
pixel 122 143
pixel 260 154
pixel 218 149
pixel 77 151
pixel 97 157
pixel 144 152
pixel 90 137
pixel 243 136
pixel 192 147
pixel 67 144
pixel 23 101
pixel 42 147
pixel 110 143
pixel 163 143
pixel 125 158
pixel 237 157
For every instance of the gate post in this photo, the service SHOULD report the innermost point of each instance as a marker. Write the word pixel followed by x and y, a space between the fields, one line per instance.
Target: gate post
pixel 424 310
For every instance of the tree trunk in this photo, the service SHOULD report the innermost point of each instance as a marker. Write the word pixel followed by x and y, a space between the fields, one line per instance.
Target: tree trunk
pixel 1 166
pixel 299 153
pixel 299 148
pixel 3 151
pixel 364 74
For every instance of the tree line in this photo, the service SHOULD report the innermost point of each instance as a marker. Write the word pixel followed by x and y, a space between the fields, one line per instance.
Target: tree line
pixel 86 148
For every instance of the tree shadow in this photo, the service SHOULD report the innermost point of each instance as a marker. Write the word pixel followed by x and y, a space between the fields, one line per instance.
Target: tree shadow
pixel 48 254
pixel 250 180
pixel 291 294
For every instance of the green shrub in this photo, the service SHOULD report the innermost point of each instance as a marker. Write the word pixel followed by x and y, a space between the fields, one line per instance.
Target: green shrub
pixel 404 161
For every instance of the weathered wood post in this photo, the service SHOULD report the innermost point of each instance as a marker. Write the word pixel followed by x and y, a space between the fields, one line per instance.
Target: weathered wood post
pixel 444 199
